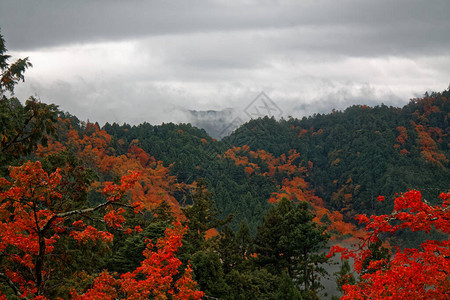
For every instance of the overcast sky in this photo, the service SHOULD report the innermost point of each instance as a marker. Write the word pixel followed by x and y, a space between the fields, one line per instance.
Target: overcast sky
pixel 134 61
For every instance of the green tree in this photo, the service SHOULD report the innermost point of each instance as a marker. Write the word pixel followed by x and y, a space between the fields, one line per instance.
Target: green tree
pixel 201 253
pixel 209 274
pixel 287 289
pixel 22 127
pixel 228 248
pixel 201 216
pixel 377 253
pixel 289 241
pixel 127 250
pixel 344 275
pixel 254 284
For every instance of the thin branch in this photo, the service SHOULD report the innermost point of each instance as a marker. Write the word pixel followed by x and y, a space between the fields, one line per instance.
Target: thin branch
pixel 82 212
pixel 11 284
pixel 19 133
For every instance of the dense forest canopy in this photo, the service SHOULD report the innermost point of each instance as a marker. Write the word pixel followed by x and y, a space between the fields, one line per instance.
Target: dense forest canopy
pixel 167 212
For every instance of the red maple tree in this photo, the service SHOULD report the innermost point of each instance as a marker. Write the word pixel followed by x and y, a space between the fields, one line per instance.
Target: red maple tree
pixel 31 223
pixel 154 278
pixel 411 273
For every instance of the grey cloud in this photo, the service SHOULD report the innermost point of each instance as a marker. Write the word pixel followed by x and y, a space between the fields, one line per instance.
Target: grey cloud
pixel 341 97
pixel 135 61
pixel 353 27
pixel 108 102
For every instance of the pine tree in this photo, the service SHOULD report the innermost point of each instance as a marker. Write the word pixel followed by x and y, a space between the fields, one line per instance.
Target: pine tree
pixel 289 241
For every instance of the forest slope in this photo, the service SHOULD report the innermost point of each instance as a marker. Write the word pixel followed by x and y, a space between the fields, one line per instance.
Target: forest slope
pixel 350 156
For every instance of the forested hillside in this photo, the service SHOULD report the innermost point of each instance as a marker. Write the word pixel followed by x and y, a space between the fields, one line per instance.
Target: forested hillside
pixel 363 152
pixel 348 158
pixel 167 212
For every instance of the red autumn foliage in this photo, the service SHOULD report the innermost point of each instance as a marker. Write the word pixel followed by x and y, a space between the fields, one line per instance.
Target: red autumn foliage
pixel 30 223
pixel 30 226
pixel 154 278
pixel 411 273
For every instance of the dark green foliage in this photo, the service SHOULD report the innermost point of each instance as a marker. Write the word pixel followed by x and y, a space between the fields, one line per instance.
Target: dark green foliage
pixel 209 274
pixel 201 216
pixel 127 250
pixel 288 241
pixel 235 249
pixel 344 275
pixel 11 74
pixel 287 289
pixel 229 250
pixel 255 284
pixel 22 127
pixel 378 252
pixel 191 158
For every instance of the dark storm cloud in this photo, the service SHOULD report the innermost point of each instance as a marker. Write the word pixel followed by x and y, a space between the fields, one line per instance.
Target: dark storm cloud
pixel 349 27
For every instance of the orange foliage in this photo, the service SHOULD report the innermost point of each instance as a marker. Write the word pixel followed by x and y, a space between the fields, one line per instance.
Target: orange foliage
pixel 318 132
pixel 93 147
pixel 297 189
pixel 284 164
pixel 53 147
pixel 429 147
pixel 429 137
pixel 401 139
pixel 249 170
pixel 294 186
pixel 211 233
pixel 403 136
pixel 302 132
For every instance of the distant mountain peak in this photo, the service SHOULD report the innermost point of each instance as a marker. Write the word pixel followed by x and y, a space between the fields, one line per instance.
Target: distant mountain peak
pixel 217 123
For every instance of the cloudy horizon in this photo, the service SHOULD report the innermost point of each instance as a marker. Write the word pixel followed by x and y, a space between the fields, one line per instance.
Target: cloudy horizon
pixel 136 61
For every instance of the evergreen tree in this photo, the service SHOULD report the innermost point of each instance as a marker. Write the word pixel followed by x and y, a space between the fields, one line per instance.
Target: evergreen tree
pixel 344 275
pixel 289 241
pixel 22 127
pixel 201 216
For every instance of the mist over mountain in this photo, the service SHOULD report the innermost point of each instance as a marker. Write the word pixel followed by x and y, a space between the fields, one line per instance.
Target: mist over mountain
pixel 217 123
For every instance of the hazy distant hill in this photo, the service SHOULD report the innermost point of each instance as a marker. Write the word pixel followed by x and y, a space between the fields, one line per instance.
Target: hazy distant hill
pixel 217 123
